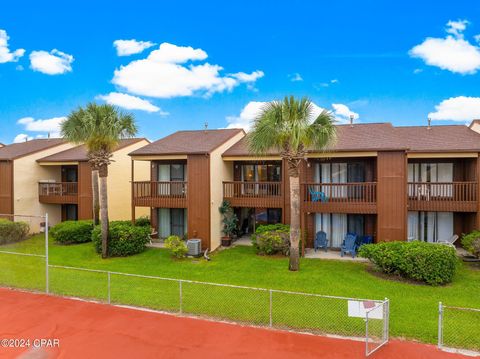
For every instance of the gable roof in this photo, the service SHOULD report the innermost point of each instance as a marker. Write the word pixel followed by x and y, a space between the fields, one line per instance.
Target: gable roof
pixel 364 137
pixel 444 138
pixel 188 142
pixel 22 149
pixel 79 153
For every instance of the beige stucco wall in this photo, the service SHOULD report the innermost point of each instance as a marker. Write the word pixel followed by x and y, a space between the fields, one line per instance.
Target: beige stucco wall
pixel 119 185
pixel 219 171
pixel 26 175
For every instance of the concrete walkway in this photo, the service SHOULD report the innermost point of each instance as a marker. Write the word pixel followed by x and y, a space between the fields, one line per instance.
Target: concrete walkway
pixel 331 254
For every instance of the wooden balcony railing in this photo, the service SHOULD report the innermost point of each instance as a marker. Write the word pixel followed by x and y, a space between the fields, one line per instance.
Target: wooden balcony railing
pixel 351 197
pixel 442 196
pixel 253 194
pixel 171 194
pixel 58 192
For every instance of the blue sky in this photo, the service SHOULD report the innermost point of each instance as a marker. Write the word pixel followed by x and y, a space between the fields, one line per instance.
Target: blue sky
pixel 216 62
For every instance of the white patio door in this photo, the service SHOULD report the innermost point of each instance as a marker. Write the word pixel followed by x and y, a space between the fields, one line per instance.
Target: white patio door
pixel 334 225
pixel 163 176
pixel 430 226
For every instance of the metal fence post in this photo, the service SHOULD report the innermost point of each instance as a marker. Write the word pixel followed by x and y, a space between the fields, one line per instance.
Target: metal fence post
pixel 440 325
pixel 367 352
pixel 271 309
pixel 108 288
pixel 181 296
pixel 386 308
pixel 47 289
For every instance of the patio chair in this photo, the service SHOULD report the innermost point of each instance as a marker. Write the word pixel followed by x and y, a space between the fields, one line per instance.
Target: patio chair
pixel 450 241
pixel 321 241
pixel 349 245
pixel 317 195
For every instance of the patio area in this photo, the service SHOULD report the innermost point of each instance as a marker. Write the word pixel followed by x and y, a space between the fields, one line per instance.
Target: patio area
pixel 331 254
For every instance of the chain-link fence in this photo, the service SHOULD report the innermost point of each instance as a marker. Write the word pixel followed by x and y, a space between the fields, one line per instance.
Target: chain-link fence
pixel 459 328
pixel 23 266
pixel 28 267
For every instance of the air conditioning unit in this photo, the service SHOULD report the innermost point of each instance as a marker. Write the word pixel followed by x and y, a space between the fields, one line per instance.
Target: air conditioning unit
pixel 194 247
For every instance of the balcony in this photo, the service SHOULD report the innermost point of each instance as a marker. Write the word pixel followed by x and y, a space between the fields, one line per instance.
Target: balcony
pixel 58 192
pixel 442 196
pixel 353 197
pixel 160 194
pixel 253 194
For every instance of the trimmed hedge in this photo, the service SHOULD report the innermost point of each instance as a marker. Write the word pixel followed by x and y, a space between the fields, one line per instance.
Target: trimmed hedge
pixel 142 222
pixel 124 239
pixel 471 242
pixel 434 264
pixel 11 232
pixel 72 232
pixel 272 239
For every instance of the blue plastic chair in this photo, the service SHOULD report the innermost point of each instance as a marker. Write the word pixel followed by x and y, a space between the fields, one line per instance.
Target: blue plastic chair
pixel 321 241
pixel 349 245
pixel 317 195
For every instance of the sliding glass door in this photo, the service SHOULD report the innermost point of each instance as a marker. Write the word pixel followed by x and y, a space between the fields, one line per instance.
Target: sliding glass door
pixel 172 221
pixel 430 226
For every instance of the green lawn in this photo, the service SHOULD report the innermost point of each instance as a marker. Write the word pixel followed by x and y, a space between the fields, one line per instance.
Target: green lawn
pixel 413 308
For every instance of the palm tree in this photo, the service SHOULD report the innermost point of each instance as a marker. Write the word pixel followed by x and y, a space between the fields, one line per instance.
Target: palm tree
pixel 100 128
pixel 291 127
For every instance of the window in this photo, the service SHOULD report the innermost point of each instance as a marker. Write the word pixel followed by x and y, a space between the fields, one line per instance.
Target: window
pixel 172 221
pixel 337 225
pixel 261 172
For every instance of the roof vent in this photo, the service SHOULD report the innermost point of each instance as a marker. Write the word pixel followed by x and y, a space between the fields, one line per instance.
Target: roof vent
pixel 206 126
pixel 429 123
pixel 351 120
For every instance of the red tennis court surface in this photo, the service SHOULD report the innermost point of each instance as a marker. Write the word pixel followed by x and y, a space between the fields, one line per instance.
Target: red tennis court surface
pixel 90 330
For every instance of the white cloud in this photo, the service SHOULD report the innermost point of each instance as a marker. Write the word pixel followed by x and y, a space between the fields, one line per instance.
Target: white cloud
pixel 165 74
pixel 5 54
pixel 456 28
pixel 417 71
pixel 461 108
pixel 334 81
pixel 477 38
pixel 342 113
pixel 295 77
pixel 51 125
pixel 130 102
pixel 53 63
pixel 130 47
pixel 452 53
pixel 250 112
pixel 22 137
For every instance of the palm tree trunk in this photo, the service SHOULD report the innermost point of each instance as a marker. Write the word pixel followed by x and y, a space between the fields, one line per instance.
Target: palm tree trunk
pixel 95 195
pixel 294 264
pixel 103 173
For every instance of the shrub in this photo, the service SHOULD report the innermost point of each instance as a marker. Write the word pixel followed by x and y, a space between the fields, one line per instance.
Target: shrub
pixel 177 246
pixel 469 240
pixel 124 239
pixel 70 232
pixel 272 239
pixel 142 222
pixel 13 231
pixel 431 263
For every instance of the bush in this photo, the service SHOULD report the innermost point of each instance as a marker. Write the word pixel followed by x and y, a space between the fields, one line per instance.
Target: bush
pixel 470 241
pixel 177 246
pixel 142 222
pixel 272 239
pixel 124 239
pixel 70 232
pixel 13 231
pixel 431 263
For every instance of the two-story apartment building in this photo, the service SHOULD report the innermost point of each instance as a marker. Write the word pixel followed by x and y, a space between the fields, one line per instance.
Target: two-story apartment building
pixel 185 187
pixel 377 180
pixel 53 176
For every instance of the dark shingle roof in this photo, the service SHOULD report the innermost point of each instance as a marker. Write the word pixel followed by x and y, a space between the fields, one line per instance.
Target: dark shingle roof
pixel 188 142
pixel 17 150
pixel 79 153
pixel 445 138
pixel 385 137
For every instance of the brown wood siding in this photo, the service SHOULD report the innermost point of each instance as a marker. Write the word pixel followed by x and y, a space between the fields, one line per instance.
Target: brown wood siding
pixel 6 187
pixel 85 205
pixel 391 196
pixel 199 198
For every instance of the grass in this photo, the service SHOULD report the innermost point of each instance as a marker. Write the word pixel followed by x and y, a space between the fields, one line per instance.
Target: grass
pixel 413 307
